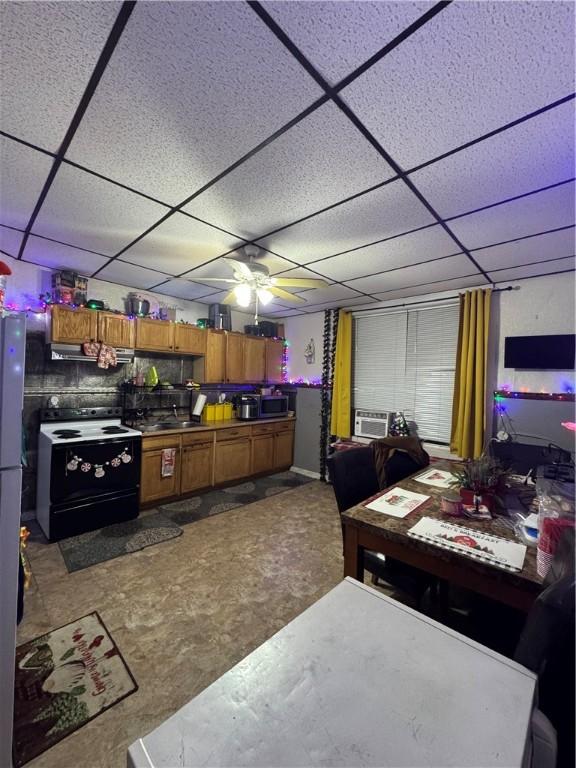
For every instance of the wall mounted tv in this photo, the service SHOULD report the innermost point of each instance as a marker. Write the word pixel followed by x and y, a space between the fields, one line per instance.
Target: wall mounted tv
pixel 537 353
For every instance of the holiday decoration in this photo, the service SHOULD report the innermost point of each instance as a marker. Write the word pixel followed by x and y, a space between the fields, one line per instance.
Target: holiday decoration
pixel 399 426
pixel 329 348
pixel 99 471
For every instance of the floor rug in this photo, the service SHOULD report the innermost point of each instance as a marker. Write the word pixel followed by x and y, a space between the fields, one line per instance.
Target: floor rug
pixel 115 540
pixel 214 502
pixel 64 679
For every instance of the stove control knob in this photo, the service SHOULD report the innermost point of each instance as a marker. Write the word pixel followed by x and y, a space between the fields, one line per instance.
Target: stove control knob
pixel 93 412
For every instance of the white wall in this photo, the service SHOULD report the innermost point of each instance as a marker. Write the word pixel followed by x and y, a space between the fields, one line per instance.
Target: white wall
pixel 298 331
pixel 28 281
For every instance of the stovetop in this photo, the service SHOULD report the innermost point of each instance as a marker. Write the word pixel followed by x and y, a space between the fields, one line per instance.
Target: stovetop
pixel 83 431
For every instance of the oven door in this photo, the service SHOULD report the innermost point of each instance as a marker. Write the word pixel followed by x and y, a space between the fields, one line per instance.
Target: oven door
pixel 274 405
pixel 92 469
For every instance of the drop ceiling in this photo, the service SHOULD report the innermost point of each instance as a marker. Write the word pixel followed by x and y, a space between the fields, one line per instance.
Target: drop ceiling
pixel 391 149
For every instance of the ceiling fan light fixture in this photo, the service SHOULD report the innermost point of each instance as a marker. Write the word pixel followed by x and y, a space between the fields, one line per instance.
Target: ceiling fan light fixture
pixel 265 296
pixel 243 294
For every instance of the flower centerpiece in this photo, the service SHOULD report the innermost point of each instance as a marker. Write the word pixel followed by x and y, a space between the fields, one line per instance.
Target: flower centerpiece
pixel 478 480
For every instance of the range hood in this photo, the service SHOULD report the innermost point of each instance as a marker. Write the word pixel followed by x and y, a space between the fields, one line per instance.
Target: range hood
pixel 74 352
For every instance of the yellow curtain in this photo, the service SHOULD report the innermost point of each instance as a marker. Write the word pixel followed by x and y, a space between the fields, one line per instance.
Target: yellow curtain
pixel 468 407
pixel 341 386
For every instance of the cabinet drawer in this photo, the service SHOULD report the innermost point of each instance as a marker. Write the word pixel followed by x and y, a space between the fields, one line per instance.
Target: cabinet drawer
pixel 155 443
pixel 191 438
pixel 284 426
pixel 264 429
pixel 233 433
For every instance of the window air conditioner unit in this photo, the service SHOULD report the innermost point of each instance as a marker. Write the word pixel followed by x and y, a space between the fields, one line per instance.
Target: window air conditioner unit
pixel 371 423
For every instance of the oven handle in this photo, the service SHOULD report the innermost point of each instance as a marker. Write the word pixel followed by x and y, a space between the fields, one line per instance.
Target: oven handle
pixel 89 501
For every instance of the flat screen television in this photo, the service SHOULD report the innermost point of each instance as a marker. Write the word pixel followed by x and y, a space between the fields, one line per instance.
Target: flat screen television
pixel 540 352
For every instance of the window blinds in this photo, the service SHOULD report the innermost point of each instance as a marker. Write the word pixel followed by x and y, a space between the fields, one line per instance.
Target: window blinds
pixel 405 361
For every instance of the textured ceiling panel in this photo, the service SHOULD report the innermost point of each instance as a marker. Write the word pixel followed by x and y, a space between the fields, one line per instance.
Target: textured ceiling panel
pixel 430 243
pixel 10 240
pixel 223 268
pixel 190 88
pixel 530 156
pixel 57 256
pixel 455 266
pixel 49 51
pixel 330 293
pixel 303 272
pixel 183 289
pixel 542 248
pixel 23 174
pixel 533 270
pixel 131 275
pixel 179 244
pixel 91 213
pixel 527 216
pixel 386 212
pixel 316 163
pixel 473 68
pixel 281 312
pixel 338 37
pixel 444 285
pixel 360 301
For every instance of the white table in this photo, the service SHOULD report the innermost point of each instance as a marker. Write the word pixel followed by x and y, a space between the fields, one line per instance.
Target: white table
pixel 356 680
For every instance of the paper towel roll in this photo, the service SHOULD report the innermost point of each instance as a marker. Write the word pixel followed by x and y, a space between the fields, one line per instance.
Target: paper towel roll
pixel 199 405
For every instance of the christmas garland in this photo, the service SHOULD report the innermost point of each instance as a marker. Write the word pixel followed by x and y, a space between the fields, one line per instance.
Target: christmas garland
pixel 330 326
pixel 86 466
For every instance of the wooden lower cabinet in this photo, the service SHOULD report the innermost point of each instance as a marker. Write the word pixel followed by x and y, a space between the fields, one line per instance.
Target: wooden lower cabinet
pixel 283 448
pixel 262 453
pixel 196 470
pixel 152 485
pixel 232 460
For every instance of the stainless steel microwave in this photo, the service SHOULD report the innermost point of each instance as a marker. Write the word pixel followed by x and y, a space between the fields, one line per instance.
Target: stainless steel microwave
pixel 270 406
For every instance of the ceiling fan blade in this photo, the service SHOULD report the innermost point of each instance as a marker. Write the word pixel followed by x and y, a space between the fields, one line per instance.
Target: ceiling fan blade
pixel 299 282
pixel 285 295
pixel 240 267
pixel 230 299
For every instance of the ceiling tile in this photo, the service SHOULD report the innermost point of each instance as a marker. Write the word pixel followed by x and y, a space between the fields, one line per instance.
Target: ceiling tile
pixel 302 272
pixel 91 213
pixel 454 266
pixel 219 296
pixel 49 51
pixel 24 172
pixel 338 37
pixel 10 240
pixel 183 289
pixel 222 268
pixel 541 248
pixel 336 293
pixel 286 313
pixel 532 155
pixel 444 285
pixel 178 245
pixel 190 88
pixel 527 216
pixel 386 212
pixel 533 270
pixel 316 163
pixel 58 256
pixel 474 67
pixel 426 244
pixel 130 275
pixel 344 303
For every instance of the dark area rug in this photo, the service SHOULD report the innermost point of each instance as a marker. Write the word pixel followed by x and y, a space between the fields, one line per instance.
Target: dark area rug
pixel 64 679
pixel 115 540
pixel 214 502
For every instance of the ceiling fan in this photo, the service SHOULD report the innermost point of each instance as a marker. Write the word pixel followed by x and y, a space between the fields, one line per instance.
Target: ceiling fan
pixel 253 282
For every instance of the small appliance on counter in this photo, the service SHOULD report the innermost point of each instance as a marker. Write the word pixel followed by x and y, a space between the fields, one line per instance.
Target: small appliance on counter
pixel 247 407
pixel 261 406
pixel 137 305
pixel 220 315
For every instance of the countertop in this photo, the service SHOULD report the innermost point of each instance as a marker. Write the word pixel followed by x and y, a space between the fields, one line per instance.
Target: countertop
pixel 211 425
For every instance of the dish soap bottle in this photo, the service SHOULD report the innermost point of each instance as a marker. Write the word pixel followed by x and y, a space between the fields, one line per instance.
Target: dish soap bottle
pixel 151 377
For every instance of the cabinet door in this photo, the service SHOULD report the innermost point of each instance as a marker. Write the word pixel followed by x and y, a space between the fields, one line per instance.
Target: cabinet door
pixel 116 330
pixel 283 449
pixel 155 335
pixel 73 326
pixel 152 485
pixel 274 351
pixel 254 359
pixel 232 460
pixel 215 359
pixel 197 462
pixel 262 453
pixel 189 340
pixel 235 357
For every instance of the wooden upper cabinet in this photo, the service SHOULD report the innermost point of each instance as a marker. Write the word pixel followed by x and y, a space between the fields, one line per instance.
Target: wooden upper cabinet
pixel 215 359
pixel 116 330
pixel 235 357
pixel 254 359
pixel 274 350
pixel 154 335
pixel 73 326
pixel 189 340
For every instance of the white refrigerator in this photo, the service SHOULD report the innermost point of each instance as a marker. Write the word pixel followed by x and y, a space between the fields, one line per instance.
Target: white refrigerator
pixel 12 349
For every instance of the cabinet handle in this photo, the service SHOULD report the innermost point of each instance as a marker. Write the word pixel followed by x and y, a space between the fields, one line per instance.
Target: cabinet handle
pixel 176 347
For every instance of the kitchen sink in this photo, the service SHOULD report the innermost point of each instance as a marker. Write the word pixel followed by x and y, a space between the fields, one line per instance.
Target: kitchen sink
pixel 168 425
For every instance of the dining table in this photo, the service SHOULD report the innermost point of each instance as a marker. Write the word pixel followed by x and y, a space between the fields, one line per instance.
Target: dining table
pixel 367 529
